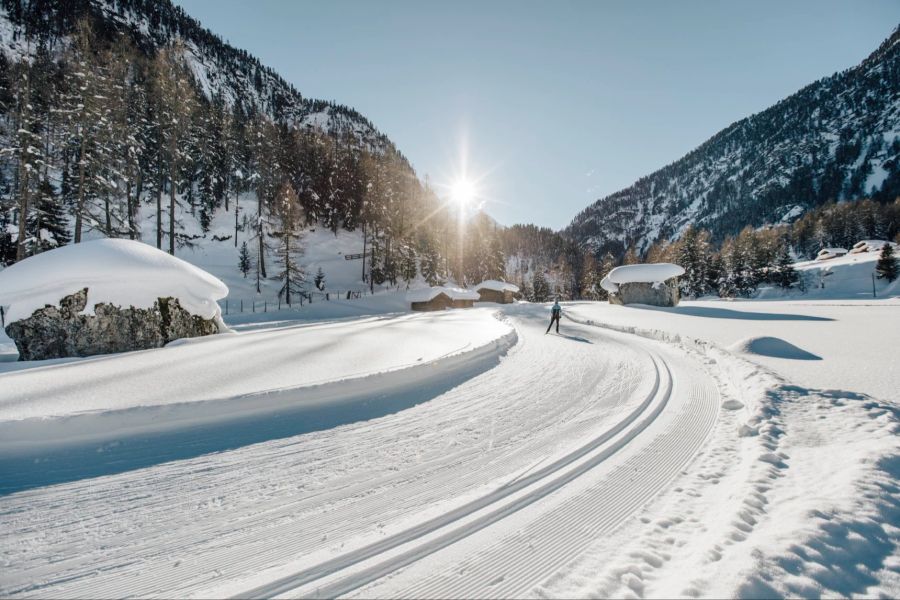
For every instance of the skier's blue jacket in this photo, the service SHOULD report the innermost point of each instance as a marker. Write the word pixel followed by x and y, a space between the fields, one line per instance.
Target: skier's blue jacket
pixel 556 308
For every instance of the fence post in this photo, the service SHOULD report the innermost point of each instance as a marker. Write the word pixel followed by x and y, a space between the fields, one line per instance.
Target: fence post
pixel 327 296
pixel 265 306
pixel 2 318
pixel 873 285
pixel 242 305
pixel 254 305
pixel 226 306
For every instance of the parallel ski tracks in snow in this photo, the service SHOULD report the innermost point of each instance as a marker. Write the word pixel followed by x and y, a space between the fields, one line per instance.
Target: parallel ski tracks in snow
pixel 548 415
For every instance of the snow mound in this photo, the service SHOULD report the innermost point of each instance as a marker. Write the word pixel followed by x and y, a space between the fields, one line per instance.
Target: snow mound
pixel 774 347
pixel 427 294
pixel 649 273
pixel 497 286
pixel 119 272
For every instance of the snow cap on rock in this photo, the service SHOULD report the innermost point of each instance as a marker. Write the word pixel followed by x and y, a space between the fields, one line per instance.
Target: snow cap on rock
pixel 648 273
pixel 119 272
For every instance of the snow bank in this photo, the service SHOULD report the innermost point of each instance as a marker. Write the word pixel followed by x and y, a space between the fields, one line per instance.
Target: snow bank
pixel 427 294
pixel 497 286
pixel 649 273
pixel 119 272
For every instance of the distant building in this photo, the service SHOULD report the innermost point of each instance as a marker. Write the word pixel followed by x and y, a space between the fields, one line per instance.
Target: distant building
pixel 496 291
pixel 440 298
pixel 829 253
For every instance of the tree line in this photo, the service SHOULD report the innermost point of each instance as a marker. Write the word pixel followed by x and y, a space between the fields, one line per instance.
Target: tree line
pixel 104 137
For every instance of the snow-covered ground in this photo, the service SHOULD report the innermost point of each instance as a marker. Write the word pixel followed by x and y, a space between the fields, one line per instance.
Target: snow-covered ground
pixel 744 448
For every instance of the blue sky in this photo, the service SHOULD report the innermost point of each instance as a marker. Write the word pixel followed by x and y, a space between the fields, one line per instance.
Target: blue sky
pixel 556 103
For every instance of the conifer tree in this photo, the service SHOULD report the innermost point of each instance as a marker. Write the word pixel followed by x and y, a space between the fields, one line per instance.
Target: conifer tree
pixel 319 280
pixel 786 275
pixel 289 213
pixel 887 266
pixel 244 262
pixel 540 290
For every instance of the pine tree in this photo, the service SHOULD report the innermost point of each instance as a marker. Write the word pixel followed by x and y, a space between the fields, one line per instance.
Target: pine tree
pixel 244 262
pixel 540 290
pixel 786 275
pixel 887 266
pixel 631 257
pixel 430 263
pixel 47 225
pixel 408 269
pixel 319 280
pixel 289 213
pixel 606 265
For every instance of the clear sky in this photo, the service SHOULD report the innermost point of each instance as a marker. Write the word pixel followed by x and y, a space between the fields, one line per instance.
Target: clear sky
pixel 558 103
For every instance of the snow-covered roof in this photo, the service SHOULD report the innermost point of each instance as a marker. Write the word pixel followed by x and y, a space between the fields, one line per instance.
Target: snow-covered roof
pixel 497 286
pixel 118 272
pixel 648 273
pixel 427 294
pixel 870 246
pixel 833 251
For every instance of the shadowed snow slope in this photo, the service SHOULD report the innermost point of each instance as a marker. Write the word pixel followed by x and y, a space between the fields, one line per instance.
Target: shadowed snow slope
pixel 774 347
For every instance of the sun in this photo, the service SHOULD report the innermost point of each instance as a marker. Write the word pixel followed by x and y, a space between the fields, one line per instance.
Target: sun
pixel 463 192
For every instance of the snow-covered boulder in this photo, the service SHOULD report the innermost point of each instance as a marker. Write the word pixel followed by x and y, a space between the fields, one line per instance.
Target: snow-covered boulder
pixel 655 284
pixel 492 290
pixel 106 296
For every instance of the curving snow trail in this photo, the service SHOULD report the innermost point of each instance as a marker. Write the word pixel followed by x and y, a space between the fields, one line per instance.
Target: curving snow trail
pixel 558 443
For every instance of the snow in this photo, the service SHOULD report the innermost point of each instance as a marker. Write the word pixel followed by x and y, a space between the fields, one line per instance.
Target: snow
pixel 497 286
pixel 645 273
pixel 119 272
pixel 608 285
pixel 870 246
pixel 243 372
pixel 718 448
pixel 851 276
pixel 454 293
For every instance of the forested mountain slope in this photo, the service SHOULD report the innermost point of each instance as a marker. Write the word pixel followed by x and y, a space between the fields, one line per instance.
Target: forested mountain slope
pixel 126 118
pixel 834 139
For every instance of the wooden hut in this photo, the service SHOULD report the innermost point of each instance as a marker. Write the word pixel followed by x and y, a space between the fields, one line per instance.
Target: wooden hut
pixel 440 298
pixel 496 291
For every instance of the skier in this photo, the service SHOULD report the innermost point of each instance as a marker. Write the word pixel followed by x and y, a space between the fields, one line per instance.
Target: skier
pixel 555 313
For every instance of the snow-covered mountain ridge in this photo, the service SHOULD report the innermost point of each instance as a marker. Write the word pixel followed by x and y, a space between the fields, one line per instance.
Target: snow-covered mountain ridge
pixel 834 139
pixel 219 69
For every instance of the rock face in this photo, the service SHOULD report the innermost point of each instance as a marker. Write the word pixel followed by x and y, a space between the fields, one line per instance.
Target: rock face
pixel 654 294
pixel 60 331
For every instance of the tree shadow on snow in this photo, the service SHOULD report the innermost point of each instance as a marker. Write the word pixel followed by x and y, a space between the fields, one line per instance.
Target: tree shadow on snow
pixel 727 313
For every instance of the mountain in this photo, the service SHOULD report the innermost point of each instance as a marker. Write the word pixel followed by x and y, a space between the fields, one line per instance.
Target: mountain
pixel 219 69
pixel 836 139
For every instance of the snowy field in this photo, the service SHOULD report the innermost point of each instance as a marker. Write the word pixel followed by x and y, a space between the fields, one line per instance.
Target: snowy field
pixel 744 448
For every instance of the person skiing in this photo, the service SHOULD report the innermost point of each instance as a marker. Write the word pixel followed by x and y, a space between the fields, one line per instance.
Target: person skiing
pixel 555 314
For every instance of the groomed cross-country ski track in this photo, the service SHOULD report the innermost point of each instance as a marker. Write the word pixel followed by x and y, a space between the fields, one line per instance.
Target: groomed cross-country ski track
pixel 491 486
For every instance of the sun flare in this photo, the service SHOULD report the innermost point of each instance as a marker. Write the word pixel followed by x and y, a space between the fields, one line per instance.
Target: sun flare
pixel 463 192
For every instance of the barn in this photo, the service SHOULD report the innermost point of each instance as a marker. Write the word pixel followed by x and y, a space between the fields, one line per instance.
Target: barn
pixel 496 291
pixel 440 298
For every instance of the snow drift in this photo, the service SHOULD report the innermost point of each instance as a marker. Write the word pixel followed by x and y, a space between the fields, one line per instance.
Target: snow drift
pixel 118 272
